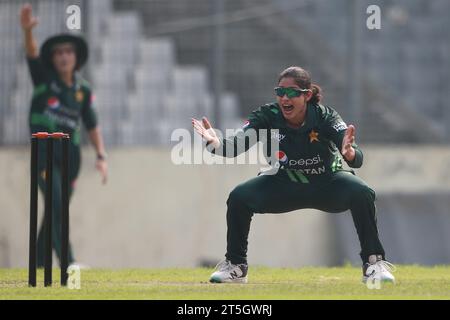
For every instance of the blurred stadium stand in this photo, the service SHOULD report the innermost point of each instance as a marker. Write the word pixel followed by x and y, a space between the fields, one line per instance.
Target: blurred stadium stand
pixel 405 65
pixel 150 57
pixel 142 93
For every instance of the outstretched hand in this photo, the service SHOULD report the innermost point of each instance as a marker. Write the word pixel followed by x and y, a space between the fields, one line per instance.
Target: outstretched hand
pixel 204 129
pixel 348 152
pixel 27 20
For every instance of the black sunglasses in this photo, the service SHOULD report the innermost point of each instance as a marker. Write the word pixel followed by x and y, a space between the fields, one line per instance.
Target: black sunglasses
pixel 290 92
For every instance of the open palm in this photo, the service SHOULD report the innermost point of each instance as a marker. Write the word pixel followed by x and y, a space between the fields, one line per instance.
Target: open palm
pixel 348 152
pixel 27 20
pixel 204 129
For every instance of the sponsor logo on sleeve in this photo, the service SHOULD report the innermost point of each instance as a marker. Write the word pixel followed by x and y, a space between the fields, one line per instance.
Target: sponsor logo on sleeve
pixel 340 126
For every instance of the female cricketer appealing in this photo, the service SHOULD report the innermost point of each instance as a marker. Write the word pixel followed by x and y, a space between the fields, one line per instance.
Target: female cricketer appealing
pixel 310 174
pixel 60 99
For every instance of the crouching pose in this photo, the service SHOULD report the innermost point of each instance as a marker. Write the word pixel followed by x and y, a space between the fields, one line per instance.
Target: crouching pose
pixel 310 174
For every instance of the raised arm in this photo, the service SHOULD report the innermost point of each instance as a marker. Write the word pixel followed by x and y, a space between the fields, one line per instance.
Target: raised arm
pixel 28 22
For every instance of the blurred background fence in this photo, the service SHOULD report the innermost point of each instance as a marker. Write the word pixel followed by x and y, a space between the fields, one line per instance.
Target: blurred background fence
pixel 156 63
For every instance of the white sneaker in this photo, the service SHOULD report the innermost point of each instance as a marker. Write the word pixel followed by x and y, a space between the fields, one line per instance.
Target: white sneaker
pixel 378 269
pixel 226 272
pixel 80 266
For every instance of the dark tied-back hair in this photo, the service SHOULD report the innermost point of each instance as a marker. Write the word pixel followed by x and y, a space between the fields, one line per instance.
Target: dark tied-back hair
pixel 303 79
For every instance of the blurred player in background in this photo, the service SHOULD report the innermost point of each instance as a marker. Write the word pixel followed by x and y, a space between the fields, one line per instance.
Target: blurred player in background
pixel 61 98
pixel 310 175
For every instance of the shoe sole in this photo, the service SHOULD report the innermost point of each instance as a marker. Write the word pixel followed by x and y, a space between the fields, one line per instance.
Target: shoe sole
pixel 237 280
pixel 364 280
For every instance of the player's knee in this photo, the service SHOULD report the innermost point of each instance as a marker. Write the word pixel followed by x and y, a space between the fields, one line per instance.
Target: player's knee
pixel 363 193
pixel 237 196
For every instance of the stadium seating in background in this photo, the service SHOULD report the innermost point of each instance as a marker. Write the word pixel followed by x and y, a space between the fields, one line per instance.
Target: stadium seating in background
pixel 133 57
pixel 411 50
pixel 142 93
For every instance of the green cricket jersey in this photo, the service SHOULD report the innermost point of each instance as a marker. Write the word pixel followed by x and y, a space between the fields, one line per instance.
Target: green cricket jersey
pixel 56 107
pixel 307 154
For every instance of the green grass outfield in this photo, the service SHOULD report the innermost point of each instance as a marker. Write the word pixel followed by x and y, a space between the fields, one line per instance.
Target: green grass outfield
pixel 413 282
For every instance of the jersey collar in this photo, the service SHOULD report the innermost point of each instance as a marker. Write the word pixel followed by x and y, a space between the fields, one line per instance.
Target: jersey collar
pixel 76 81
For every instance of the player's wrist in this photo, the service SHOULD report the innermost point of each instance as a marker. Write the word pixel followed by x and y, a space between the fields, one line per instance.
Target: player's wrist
pixel 28 31
pixel 215 143
pixel 101 156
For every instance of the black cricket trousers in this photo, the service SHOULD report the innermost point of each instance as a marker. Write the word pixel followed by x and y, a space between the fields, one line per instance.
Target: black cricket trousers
pixel 277 194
